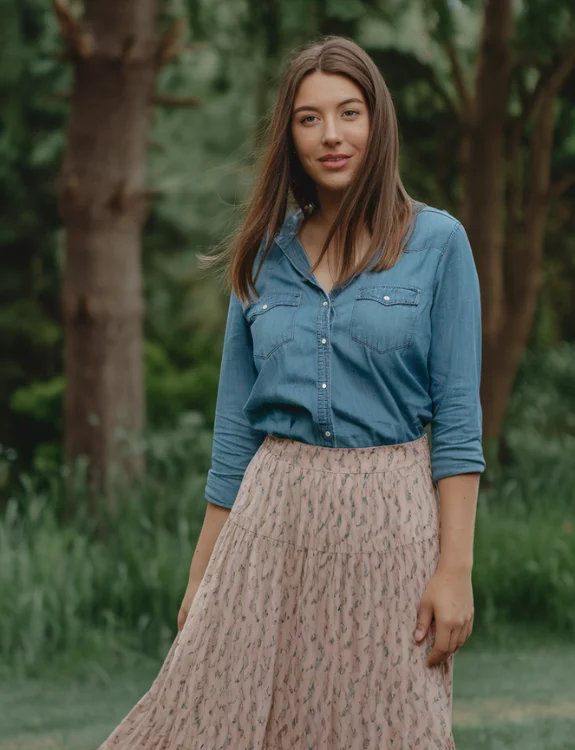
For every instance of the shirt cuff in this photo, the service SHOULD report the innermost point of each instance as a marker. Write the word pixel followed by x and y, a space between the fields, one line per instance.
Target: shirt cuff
pixel 453 460
pixel 222 489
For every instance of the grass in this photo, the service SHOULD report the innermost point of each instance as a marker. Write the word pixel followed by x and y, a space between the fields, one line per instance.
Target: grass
pixel 518 693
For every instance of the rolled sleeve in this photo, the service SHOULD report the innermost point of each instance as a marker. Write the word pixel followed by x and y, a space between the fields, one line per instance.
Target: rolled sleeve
pixel 455 362
pixel 235 441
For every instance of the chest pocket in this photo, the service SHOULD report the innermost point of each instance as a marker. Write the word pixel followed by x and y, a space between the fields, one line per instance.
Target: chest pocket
pixel 383 318
pixel 272 321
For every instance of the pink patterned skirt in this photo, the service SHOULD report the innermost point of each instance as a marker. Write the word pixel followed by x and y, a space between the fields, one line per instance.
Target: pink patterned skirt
pixel 301 634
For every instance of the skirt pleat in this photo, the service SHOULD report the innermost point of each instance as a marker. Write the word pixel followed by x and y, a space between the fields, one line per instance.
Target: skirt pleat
pixel 301 633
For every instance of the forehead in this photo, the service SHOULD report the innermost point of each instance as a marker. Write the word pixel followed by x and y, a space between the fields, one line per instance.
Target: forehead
pixel 326 89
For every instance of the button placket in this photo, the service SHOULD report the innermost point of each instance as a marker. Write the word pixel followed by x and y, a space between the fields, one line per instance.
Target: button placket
pixel 324 406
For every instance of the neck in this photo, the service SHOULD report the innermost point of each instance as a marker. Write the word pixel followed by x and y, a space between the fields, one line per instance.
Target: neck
pixel 328 207
pixel 327 210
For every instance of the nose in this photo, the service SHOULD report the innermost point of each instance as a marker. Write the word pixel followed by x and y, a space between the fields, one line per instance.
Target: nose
pixel 331 133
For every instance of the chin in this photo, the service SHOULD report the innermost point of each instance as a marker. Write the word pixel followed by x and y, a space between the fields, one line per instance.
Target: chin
pixel 335 184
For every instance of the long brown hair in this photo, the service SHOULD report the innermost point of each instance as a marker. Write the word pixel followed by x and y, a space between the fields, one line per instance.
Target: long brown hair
pixel 376 197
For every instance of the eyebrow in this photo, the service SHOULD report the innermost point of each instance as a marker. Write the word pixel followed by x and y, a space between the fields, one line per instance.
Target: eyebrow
pixel 315 109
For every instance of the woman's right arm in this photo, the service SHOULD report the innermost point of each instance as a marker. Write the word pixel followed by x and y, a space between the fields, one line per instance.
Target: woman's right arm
pixel 214 520
pixel 235 441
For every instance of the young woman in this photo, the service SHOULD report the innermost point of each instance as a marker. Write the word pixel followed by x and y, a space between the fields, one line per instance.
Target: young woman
pixel 333 530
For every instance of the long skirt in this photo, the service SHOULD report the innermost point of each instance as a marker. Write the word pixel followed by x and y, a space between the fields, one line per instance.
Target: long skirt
pixel 301 633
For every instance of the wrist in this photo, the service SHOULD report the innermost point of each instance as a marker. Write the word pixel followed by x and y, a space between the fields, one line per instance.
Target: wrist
pixel 455 566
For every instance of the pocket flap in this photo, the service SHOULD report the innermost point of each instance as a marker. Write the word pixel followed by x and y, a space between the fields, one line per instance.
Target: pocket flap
pixel 270 300
pixel 391 295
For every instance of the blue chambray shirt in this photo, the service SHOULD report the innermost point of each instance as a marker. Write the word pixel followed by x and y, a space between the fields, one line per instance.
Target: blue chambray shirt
pixel 371 363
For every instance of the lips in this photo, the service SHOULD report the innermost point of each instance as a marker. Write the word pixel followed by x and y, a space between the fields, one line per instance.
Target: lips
pixel 334 157
pixel 335 162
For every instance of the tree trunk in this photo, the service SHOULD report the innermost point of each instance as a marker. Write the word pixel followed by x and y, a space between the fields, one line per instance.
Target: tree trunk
pixel 484 179
pixel 508 246
pixel 103 205
pixel 266 25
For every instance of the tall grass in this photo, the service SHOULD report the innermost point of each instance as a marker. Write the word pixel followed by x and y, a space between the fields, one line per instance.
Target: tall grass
pixel 524 570
pixel 63 591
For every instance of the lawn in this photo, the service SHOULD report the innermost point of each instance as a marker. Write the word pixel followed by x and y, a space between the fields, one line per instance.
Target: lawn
pixel 518 697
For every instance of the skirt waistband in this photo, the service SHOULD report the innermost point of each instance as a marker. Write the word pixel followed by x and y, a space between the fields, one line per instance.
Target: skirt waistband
pixel 374 458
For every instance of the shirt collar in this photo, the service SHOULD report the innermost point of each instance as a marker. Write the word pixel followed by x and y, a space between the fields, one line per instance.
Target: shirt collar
pixel 287 239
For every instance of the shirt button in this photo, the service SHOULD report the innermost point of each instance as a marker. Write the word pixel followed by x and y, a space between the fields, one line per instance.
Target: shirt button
pixel 386 297
pixel 264 307
pixel 325 303
pixel 323 341
pixel 327 433
pixel 324 385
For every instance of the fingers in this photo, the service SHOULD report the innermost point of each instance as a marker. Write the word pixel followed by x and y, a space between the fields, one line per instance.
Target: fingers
pixel 440 650
pixel 448 639
pixel 466 633
pixel 456 639
pixel 424 619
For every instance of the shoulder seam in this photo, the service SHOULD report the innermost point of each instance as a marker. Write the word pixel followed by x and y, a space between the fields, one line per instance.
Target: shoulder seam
pixel 433 245
pixel 441 211
pixel 453 232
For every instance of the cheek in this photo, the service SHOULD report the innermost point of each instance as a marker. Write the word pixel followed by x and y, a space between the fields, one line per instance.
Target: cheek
pixel 306 144
pixel 362 139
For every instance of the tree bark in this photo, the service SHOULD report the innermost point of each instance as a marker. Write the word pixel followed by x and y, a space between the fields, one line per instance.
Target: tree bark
pixel 103 204
pixel 266 25
pixel 508 246
pixel 484 179
pixel 484 188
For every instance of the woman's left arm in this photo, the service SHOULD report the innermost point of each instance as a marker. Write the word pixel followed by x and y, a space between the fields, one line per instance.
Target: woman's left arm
pixel 456 451
pixel 458 504
pixel 448 598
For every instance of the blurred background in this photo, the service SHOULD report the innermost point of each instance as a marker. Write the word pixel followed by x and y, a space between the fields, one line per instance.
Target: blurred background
pixel 129 140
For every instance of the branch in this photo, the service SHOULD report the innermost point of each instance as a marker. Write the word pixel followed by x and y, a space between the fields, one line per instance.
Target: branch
pixel 176 101
pixel 441 92
pixel 551 78
pixel 168 46
pixel 561 186
pixel 128 46
pixel 522 90
pixel 79 42
pixel 60 96
pixel 465 97
pixel 548 85
pixel 528 257
pixel 161 99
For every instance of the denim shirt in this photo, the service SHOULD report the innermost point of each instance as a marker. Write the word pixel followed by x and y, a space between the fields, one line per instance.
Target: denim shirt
pixel 371 363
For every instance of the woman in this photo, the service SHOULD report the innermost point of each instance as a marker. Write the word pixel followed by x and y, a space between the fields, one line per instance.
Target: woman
pixel 333 530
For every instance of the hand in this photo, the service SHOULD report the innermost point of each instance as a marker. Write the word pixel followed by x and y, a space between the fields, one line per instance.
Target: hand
pixel 187 602
pixel 449 599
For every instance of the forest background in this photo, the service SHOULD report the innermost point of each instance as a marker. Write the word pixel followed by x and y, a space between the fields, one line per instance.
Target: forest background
pixel 485 96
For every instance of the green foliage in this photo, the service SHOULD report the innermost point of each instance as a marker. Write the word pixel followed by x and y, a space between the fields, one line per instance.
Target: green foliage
pixel 543 26
pixel 540 427
pixel 170 392
pixel 61 584
pixel 201 163
pixel 346 10
pixel 64 589
pixel 43 402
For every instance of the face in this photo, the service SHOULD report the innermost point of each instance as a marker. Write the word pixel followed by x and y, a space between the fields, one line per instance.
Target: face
pixel 330 117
